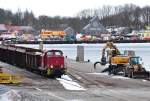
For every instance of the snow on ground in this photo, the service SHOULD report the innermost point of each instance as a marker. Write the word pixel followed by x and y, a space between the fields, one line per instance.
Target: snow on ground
pixel 102 74
pixel 11 95
pixel 4 97
pixel 119 77
pixel 111 76
pixel 69 84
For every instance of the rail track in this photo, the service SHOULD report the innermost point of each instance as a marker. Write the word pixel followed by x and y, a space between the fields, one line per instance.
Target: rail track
pixel 86 80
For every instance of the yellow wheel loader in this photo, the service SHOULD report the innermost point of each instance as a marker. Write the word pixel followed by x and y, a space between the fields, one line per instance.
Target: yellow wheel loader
pixel 135 69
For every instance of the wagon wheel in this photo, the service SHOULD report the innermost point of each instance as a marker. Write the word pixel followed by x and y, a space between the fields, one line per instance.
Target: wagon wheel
pixel 96 64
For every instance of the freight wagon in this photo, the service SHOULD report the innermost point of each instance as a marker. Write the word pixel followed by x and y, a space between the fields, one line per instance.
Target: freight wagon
pixel 47 63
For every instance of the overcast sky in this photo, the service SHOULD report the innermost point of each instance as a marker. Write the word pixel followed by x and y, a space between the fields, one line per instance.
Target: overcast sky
pixel 63 7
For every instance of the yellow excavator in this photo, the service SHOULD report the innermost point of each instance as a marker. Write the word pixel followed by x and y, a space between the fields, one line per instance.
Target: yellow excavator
pixel 129 64
pixel 110 50
pixel 7 78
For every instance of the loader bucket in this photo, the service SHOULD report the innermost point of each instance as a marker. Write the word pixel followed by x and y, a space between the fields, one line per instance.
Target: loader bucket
pixel 144 75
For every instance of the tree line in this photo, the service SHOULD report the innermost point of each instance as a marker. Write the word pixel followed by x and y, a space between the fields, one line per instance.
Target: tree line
pixel 128 15
pixel 27 18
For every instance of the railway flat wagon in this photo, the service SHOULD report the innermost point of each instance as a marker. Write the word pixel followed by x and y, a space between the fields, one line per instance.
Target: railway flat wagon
pixel 47 63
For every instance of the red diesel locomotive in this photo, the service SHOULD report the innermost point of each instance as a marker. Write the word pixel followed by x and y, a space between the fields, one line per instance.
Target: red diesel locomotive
pixel 52 63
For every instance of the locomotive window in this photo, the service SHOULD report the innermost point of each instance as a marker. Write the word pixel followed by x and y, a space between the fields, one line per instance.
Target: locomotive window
pixel 57 53
pixel 54 53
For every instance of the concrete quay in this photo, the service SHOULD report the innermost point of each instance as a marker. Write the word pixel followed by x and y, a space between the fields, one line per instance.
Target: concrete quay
pixel 97 86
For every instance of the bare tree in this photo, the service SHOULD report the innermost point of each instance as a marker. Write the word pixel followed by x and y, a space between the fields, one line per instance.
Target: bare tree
pixel 146 15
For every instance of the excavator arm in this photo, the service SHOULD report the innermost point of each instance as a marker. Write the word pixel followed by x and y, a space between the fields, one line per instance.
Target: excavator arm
pixel 114 51
pixel 103 58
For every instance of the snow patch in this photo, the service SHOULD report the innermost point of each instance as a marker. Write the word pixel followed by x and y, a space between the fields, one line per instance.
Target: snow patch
pixel 111 76
pixel 38 89
pixel 11 95
pixel 75 100
pixel 119 77
pixel 66 77
pixel 102 74
pixel 144 80
pixel 4 97
pixel 69 84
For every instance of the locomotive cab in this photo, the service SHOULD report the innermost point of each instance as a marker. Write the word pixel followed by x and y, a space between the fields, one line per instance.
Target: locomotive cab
pixel 53 62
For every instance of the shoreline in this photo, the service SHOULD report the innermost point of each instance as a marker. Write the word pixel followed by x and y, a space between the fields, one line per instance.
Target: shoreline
pixel 77 42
